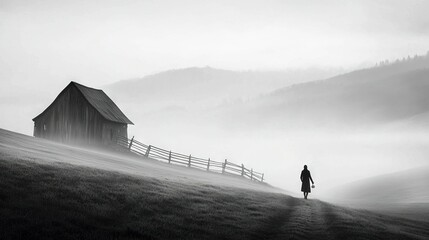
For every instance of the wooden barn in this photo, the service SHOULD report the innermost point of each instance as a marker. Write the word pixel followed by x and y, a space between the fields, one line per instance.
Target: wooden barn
pixel 81 115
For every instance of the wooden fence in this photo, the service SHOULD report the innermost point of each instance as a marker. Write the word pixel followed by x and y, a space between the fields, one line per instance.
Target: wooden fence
pixel 160 154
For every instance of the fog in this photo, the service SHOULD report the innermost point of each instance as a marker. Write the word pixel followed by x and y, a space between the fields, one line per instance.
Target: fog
pixel 46 44
pixel 333 159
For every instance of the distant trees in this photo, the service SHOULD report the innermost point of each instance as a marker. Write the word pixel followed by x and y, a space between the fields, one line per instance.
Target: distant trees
pixel 382 63
pixel 416 57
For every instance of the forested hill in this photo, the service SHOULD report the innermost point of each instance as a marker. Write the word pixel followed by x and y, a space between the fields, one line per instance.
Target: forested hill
pixel 383 95
pixel 206 86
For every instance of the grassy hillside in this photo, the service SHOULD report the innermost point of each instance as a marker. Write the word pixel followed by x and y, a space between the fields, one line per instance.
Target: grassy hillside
pixel 400 187
pixel 404 193
pixel 61 201
pixel 41 198
pixel 43 151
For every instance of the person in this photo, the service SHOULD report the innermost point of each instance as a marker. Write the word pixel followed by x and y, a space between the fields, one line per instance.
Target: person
pixel 305 179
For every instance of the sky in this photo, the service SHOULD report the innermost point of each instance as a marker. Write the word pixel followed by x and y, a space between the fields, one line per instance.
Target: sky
pixel 49 42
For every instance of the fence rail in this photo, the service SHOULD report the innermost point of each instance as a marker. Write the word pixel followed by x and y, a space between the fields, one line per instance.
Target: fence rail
pixel 160 154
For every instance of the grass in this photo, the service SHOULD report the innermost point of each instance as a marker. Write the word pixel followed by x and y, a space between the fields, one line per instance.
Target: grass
pixel 61 201
pixel 44 197
pixel 67 202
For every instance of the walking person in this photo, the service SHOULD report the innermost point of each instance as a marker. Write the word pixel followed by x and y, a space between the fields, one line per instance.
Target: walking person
pixel 305 179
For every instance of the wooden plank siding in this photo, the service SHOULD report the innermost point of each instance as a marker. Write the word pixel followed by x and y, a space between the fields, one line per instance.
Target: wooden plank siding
pixel 71 118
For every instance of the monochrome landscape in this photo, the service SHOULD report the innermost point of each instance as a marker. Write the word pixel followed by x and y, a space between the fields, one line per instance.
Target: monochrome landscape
pixel 194 119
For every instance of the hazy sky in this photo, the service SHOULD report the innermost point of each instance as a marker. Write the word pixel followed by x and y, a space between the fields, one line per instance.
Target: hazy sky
pixel 98 42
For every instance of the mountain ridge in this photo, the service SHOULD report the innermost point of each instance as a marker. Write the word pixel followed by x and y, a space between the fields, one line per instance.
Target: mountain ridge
pixel 201 83
pixel 362 98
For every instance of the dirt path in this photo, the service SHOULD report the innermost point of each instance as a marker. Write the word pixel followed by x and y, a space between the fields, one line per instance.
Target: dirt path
pixel 314 219
pixel 306 221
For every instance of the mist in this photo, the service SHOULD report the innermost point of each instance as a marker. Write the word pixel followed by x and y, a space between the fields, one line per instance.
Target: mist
pixel 334 159
pixel 211 124
pixel 272 48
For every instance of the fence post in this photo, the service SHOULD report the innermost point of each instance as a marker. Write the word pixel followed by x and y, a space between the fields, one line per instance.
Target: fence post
pixel 131 143
pixel 208 165
pixel 251 174
pixel 189 163
pixel 242 169
pixel 147 151
pixel 169 157
pixel 262 179
pixel 223 166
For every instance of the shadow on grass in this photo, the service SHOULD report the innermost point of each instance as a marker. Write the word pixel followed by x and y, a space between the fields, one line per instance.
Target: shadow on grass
pixel 61 201
pixel 68 202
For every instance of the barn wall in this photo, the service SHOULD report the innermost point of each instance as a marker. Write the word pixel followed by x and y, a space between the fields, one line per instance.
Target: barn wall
pixel 70 118
pixel 111 130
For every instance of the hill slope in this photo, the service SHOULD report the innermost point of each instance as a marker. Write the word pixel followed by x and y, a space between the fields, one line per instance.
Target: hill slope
pixel 178 97
pixel 410 186
pixel 404 193
pixel 44 198
pixel 205 86
pixel 366 98
pixel 18 146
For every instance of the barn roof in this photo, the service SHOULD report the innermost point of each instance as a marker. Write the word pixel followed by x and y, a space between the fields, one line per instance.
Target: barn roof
pixel 101 102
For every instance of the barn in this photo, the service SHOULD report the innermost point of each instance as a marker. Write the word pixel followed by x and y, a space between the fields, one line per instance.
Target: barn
pixel 81 115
